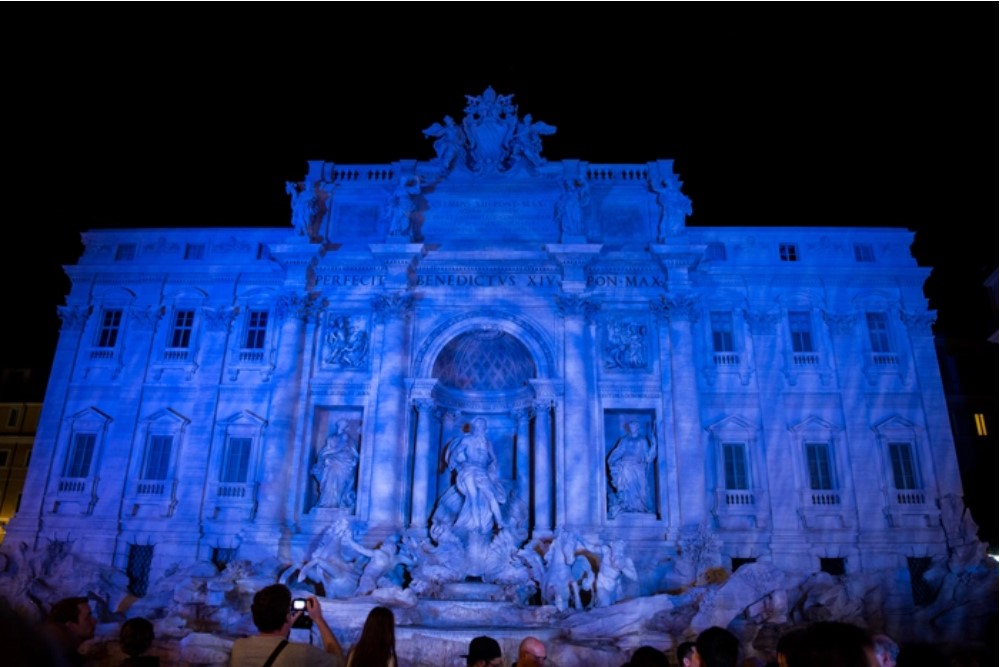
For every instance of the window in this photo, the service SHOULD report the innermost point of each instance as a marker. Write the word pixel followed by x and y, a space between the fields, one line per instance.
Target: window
pixel 12 417
pixel 878 332
pixel 735 465
pixel 788 252
pixel 715 250
pixel 922 590
pixel 863 252
pixel 256 330
pixel 194 251
pixel 107 334
pixel 4 457
pixel 236 461
pixel 834 566
pixel 80 453
pixel 801 329
pixel 820 468
pixel 981 424
pixel 722 331
pixel 157 463
pixel 180 335
pixel 125 252
pixel 904 472
pixel 140 560
pixel 223 556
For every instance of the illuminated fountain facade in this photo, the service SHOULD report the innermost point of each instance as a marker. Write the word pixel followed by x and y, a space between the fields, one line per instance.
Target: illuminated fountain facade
pixel 491 379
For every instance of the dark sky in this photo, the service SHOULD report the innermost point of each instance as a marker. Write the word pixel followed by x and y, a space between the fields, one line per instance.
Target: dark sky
pixel 797 115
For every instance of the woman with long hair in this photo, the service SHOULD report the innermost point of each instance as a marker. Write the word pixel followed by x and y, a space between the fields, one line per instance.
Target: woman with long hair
pixel 377 645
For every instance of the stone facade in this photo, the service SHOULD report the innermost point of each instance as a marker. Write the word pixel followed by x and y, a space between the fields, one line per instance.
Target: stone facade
pixel 698 397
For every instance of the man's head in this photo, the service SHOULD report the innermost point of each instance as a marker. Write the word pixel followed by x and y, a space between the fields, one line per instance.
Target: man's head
pixel 74 615
pixel 717 647
pixel 484 652
pixel 270 608
pixel 136 636
pixel 886 650
pixel 531 653
pixel 685 654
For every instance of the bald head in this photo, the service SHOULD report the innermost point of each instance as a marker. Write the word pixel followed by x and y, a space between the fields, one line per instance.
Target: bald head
pixel 531 653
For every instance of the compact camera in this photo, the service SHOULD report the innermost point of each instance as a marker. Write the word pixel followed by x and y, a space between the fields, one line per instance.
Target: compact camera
pixel 303 621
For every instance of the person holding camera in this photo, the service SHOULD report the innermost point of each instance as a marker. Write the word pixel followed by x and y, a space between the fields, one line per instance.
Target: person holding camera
pixel 274 617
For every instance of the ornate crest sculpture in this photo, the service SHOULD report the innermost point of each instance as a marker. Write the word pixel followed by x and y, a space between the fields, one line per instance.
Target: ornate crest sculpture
pixel 490 139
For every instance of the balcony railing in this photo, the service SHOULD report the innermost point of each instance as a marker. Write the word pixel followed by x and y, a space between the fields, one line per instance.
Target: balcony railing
pixel 726 359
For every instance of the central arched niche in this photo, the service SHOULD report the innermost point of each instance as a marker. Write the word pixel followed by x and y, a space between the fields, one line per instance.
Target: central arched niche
pixel 484 372
pixel 484 360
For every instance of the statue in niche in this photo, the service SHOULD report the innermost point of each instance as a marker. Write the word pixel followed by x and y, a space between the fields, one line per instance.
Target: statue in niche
pixel 305 207
pixel 569 207
pixel 615 566
pixel 335 466
pixel 401 205
pixel 674 207
pixel 475 465
pixel 628 468
pixel 625 346
pixel 477 490
pixel 348 346
pixel 528 139
pixel 449 141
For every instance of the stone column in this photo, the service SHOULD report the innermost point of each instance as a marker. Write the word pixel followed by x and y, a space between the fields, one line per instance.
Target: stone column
pixel 386 463
pixel 522 461
pixel 284 465
pixel 542 462
pixel 682 312
pixel 576 459
pixel 424 454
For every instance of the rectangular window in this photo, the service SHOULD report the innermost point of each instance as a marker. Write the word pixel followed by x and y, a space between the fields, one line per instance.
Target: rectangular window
pixel 256 330
pixel 125 252
pixel 157 464
pixel 111 321
pixel 4 457
pixel 194 251
pixel 735 461
pixel 223 556
pixel 981 424
pixel 722 331
pixel 863 252
pixel 878 332
pixel 820 468
pixel 180 335
pixel 924 593
pixel 788 252
pixel 715 250
pixel 834 566
pixel 904 472
pixel 12 417
pixel 801 328
pixel 236 461
pixel 81 451
pixel 140 561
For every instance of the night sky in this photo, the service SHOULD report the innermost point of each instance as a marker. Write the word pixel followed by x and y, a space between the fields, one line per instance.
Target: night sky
pixel 820 115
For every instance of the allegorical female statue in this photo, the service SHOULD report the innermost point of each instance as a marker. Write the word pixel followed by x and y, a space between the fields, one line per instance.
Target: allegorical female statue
pixel 628 467
pixel 334 469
